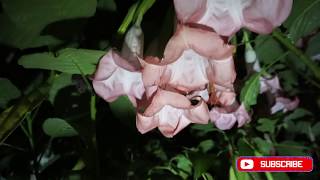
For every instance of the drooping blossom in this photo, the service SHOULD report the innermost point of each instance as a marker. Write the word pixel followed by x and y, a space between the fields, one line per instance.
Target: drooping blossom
pixel 226 17
pixel 115 77
pixel 191 68
pixel 224 120
pixel 194 68
pixel 171 112
pixel 284 104
pixel 269 84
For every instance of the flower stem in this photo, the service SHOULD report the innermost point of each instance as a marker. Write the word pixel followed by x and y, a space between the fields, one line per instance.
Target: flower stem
pixel 303 57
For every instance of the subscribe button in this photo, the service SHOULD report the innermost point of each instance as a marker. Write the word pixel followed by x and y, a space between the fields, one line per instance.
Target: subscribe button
pixel 275 163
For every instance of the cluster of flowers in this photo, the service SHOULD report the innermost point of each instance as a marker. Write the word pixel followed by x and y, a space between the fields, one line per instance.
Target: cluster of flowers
pixel 193 81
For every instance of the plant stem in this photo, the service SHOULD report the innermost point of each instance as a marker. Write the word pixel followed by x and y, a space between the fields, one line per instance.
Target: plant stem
pixel 304 58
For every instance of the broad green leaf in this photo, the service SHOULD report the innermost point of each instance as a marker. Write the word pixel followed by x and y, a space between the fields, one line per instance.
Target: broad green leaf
pixel 313 48
pixel 8 92
pixel 184 165
pixel 123 109
pixel 61 81
pixel 27 19
pixel 23 37
pixel 289 80
pixel 267 49
pixel 304 18
pixel 316 129
pixel 232 174
pixel 39 13
pixel 206 145
pixel 69 60
pixel 291 148
pixel 243 148
pixel 11 119
pixel 237 175
pixel 156 149
pixel 297 114
pixel 201 163
pixel 263 146
pixel 250 91
pixel 56 127
pixel 108 5
pixel 266 125
pixel 202 129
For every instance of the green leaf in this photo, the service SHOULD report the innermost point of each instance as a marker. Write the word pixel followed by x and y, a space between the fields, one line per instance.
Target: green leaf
pixel 314 46
pixel 23 37
pixel 63 80
pixel 202 129
pixel 184 165
pixel 39 13
pixel 263 146
pixel 56 127
pixel 206 145
pixel 243 148
pixel 69 60
pixel 289 80
pixel 27 19
pixel 8 92
pixel 304 18
pixel 250 91
pixel 297 114
pixel 201 163
pixel 267 49
pixel 266 125
pixel 290 148
pixel 108 5
pixel 236 175
pixel 316 129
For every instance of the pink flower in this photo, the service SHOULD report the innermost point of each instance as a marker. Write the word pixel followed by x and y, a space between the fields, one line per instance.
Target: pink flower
pixel 189 65
pixel 269 84
pixel 226 17
pixel 115 77
pixel 171 112
pixel 284 104
pixel 224 120
pixel 172 92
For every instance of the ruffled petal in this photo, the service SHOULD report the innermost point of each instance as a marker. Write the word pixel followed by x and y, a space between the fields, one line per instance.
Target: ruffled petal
pixel 262 16
pixel 285 104
pixel 223 71
pixel 226 17
pixel 204 42
pixel 115 77
pixel 189 10
pixel 224 120
pixel 188 73
pixel 171 112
